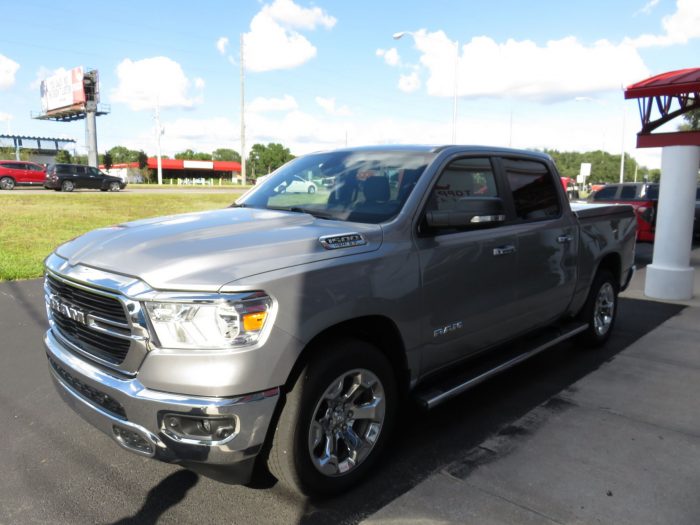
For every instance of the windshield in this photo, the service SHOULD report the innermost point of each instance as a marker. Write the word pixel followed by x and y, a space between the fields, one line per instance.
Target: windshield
pixel 357 186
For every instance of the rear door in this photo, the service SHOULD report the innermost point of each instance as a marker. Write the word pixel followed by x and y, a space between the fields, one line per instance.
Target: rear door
pixel 547 239
pixel 468 275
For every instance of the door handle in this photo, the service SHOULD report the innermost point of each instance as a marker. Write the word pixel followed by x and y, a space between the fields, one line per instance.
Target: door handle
pixel 504 250
pixel 563 239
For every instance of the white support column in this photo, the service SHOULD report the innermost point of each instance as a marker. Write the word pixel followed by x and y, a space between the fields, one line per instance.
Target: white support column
pixel 670 275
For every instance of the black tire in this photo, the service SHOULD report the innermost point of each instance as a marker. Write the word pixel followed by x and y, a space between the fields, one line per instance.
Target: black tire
pixel 308 416
pixel 7 183
pixel 114 186
pixel 312 190
pixel 67 185
pixel 600 310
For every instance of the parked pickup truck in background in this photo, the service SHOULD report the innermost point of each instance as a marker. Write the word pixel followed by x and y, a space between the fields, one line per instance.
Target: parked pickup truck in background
pixel 287 329
pixel 642 196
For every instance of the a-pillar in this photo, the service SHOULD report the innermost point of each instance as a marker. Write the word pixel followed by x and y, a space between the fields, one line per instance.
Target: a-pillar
pixel 670 275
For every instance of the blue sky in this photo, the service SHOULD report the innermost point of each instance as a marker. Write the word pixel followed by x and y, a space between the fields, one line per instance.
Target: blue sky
pixel 529 74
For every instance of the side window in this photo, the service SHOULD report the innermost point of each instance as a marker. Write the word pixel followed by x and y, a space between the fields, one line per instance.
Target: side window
pixel 605 194
pixel 80 170
pixel 534 191
pixel 463 179
pixel 628 192
pixel 93 171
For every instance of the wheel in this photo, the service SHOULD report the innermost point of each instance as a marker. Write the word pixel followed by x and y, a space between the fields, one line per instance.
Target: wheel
pixel 67 185
pixel 7 183
pixel 114 186
pixel 336 420
pixel 600 310
pixel 312 189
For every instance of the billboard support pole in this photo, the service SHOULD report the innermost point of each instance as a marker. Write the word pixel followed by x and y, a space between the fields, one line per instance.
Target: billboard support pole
pixel 91 130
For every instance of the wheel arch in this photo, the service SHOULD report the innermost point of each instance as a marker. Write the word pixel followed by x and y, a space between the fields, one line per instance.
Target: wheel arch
pixel 613 263
pixel 377 330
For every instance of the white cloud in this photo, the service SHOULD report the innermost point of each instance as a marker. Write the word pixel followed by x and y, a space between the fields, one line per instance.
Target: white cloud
pixel 199 83
pixel 390 56
pixel 274 42
pixel 648 7
pixel 328 105
pixel 8 69
pixel 409 83
pixel 679 27
pixel 262 105
pixel 6 117
pixel 158 80
pixel 560 69
pixel 222 44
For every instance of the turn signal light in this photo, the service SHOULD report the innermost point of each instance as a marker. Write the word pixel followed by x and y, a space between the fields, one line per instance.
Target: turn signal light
pixel 254 322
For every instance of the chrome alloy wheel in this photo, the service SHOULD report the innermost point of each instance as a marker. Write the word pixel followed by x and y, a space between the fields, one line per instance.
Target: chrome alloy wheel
pixel 346 422
pixel 604 310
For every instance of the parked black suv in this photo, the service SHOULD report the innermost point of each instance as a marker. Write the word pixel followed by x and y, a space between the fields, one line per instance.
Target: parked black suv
pixel 67 177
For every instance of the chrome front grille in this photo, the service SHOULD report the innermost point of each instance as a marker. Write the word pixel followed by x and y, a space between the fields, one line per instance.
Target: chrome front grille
pixel 95 323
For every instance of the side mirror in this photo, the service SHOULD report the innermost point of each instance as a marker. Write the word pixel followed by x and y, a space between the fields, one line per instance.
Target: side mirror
pixel 470 211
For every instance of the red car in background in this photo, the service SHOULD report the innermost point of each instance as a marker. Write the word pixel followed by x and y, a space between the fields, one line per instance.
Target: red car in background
pixel 642 196
pixel 20 173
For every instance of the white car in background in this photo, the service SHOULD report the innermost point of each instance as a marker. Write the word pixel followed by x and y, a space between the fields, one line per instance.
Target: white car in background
pixel 297 185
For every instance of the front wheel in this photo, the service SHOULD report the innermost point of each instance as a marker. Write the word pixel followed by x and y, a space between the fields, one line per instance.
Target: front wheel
pixel 600 310
pixel 312 190
pixel 114 186
pixel 7 183
pixel 335 421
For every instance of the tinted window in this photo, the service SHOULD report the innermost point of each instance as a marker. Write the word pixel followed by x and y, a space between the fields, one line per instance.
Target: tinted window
pixel 628 192
pixel 463 179
pixel 534 191
pixel 34 167
pixel 652 192
pixel 93 171
pixel 605 194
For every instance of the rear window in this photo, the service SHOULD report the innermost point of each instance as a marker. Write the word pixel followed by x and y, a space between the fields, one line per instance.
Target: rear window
pixel 534 191
pixel 605 194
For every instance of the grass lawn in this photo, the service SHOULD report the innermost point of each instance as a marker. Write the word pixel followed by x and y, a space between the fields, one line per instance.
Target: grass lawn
pixel 32 225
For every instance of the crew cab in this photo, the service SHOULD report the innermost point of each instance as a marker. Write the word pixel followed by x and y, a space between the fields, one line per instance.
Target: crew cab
pixel 286 330
pixel 20 173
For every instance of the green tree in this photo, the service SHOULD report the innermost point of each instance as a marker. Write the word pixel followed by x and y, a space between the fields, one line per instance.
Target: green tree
pixel 226 154
pixel 189 154
pixel 265 159
pixel 107 161
pixel 123 155
pixel 142 159
pixel 64 157
pixel 692 121
pixel 605 167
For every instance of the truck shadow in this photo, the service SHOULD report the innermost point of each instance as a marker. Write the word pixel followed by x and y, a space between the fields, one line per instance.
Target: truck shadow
pixel 425 442
pixel 168 493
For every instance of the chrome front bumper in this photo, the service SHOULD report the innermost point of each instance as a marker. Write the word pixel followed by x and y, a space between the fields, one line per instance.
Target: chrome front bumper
pixel 133 416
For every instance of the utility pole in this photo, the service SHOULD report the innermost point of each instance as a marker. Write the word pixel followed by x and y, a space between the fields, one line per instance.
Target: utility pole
pixel 159 132
pixel 243 167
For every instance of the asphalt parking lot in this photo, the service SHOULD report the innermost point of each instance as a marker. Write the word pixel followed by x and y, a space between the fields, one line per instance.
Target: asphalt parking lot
pixel 58 469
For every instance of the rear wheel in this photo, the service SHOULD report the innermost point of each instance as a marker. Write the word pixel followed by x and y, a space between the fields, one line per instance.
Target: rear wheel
pixel 600 310
pixel 7 183
pixel 335 421
pixel 67 185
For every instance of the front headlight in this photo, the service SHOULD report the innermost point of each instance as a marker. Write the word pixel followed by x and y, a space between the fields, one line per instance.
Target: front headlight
pixel 225 321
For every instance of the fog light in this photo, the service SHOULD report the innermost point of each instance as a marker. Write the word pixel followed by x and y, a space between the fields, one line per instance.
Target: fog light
pixel 132 440
pixel 198 428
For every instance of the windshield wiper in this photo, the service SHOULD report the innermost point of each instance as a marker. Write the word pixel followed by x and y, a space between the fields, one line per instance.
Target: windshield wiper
pixel 299 209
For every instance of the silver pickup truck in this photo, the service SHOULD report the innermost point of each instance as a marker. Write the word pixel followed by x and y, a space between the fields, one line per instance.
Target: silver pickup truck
pixel 287 329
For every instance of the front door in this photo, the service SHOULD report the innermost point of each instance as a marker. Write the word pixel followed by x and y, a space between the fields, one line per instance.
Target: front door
pixel 468 274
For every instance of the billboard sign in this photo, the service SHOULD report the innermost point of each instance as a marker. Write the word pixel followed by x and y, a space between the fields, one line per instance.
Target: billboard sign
pixel 63 90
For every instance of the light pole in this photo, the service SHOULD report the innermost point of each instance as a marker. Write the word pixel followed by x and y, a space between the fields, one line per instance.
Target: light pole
pixel 159 133
pixel 243 167
pixel 400 34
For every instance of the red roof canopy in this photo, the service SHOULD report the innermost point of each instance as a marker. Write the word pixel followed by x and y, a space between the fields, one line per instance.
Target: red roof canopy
pixel 178 164
pixel 669 83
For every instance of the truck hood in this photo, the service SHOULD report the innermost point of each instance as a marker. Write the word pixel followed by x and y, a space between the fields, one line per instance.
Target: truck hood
pixel 203 251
